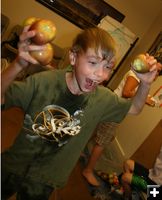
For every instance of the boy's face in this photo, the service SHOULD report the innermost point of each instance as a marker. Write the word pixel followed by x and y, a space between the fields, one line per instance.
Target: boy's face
pixel 90 69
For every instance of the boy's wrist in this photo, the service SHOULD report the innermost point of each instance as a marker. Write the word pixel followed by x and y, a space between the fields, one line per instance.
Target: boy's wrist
pixel 20 64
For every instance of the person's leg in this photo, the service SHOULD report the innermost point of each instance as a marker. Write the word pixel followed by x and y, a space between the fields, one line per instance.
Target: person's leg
pixel 126 180
pixel 134 175
pixel 88 170
pixel 140 177
pixel 128 166
pixel 31 190
pixel 129 180
pixel 104 135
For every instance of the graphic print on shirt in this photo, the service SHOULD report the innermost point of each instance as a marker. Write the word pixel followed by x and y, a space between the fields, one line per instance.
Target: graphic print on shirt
pixel 54 123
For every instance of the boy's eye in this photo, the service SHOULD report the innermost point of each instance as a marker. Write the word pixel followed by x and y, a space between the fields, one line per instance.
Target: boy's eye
pixel 108 67
pixel 93 62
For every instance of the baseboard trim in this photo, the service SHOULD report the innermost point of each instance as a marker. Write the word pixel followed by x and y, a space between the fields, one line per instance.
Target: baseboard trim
pixel 119 147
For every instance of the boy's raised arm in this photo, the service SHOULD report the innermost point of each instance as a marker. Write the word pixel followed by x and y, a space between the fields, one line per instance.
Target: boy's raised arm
pixel 146 79
pixel 21 62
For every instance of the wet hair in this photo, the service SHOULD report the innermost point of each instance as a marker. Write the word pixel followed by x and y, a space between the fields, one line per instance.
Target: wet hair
pixel 97 39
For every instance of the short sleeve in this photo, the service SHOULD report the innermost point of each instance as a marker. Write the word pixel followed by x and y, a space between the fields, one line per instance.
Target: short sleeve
pixel 20 93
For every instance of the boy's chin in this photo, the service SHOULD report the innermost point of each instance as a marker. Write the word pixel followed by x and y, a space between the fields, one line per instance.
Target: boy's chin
pixel 89 89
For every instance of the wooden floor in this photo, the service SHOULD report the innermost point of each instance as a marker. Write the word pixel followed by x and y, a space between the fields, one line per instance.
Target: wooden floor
pixel 76 188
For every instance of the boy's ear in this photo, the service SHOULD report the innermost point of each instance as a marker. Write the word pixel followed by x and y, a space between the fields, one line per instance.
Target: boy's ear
pixel 72 57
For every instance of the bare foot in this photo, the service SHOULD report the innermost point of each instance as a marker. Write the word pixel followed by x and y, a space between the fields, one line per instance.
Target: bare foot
pixel 89 176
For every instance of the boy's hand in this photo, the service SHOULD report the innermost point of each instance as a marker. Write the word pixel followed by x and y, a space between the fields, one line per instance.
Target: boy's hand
pixel 154 68
pixel 25 46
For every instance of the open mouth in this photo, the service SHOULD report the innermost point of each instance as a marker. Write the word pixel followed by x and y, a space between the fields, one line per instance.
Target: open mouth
pixel 91 84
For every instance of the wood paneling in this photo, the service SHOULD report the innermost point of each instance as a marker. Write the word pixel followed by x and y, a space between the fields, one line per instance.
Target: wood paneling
pixel 11 123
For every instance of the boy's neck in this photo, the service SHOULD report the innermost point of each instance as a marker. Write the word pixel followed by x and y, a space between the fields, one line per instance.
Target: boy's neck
pixel 72 84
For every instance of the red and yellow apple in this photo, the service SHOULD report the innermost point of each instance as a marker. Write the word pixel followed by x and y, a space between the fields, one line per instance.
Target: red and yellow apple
pixel 45 31
pixel 30 21
pixel 140 65
pixel 44 57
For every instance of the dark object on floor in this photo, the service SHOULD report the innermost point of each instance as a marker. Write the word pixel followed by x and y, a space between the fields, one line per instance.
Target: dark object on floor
pixel 106 191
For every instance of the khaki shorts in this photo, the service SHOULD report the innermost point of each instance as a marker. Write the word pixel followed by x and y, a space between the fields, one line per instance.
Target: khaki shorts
pixel 105 133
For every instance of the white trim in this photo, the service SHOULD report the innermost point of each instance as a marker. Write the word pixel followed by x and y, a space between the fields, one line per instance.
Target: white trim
pixel 119 147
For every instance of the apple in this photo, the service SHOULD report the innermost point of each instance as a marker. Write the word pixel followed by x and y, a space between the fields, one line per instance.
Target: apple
pixel 110 176
pixel 111 181
pixel 30 21
pixel 44 57
pixel 45 31
pixel 140 65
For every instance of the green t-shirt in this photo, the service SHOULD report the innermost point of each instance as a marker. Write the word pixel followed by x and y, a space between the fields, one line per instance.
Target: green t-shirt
pixel 39 159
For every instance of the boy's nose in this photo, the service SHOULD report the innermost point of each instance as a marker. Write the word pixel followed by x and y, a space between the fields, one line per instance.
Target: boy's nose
pixel 99 71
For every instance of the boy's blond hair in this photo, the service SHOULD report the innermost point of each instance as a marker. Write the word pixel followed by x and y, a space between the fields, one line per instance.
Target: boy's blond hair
pixel 97 39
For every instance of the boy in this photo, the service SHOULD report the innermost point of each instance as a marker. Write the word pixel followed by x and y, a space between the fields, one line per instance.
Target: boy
pixel 62 109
